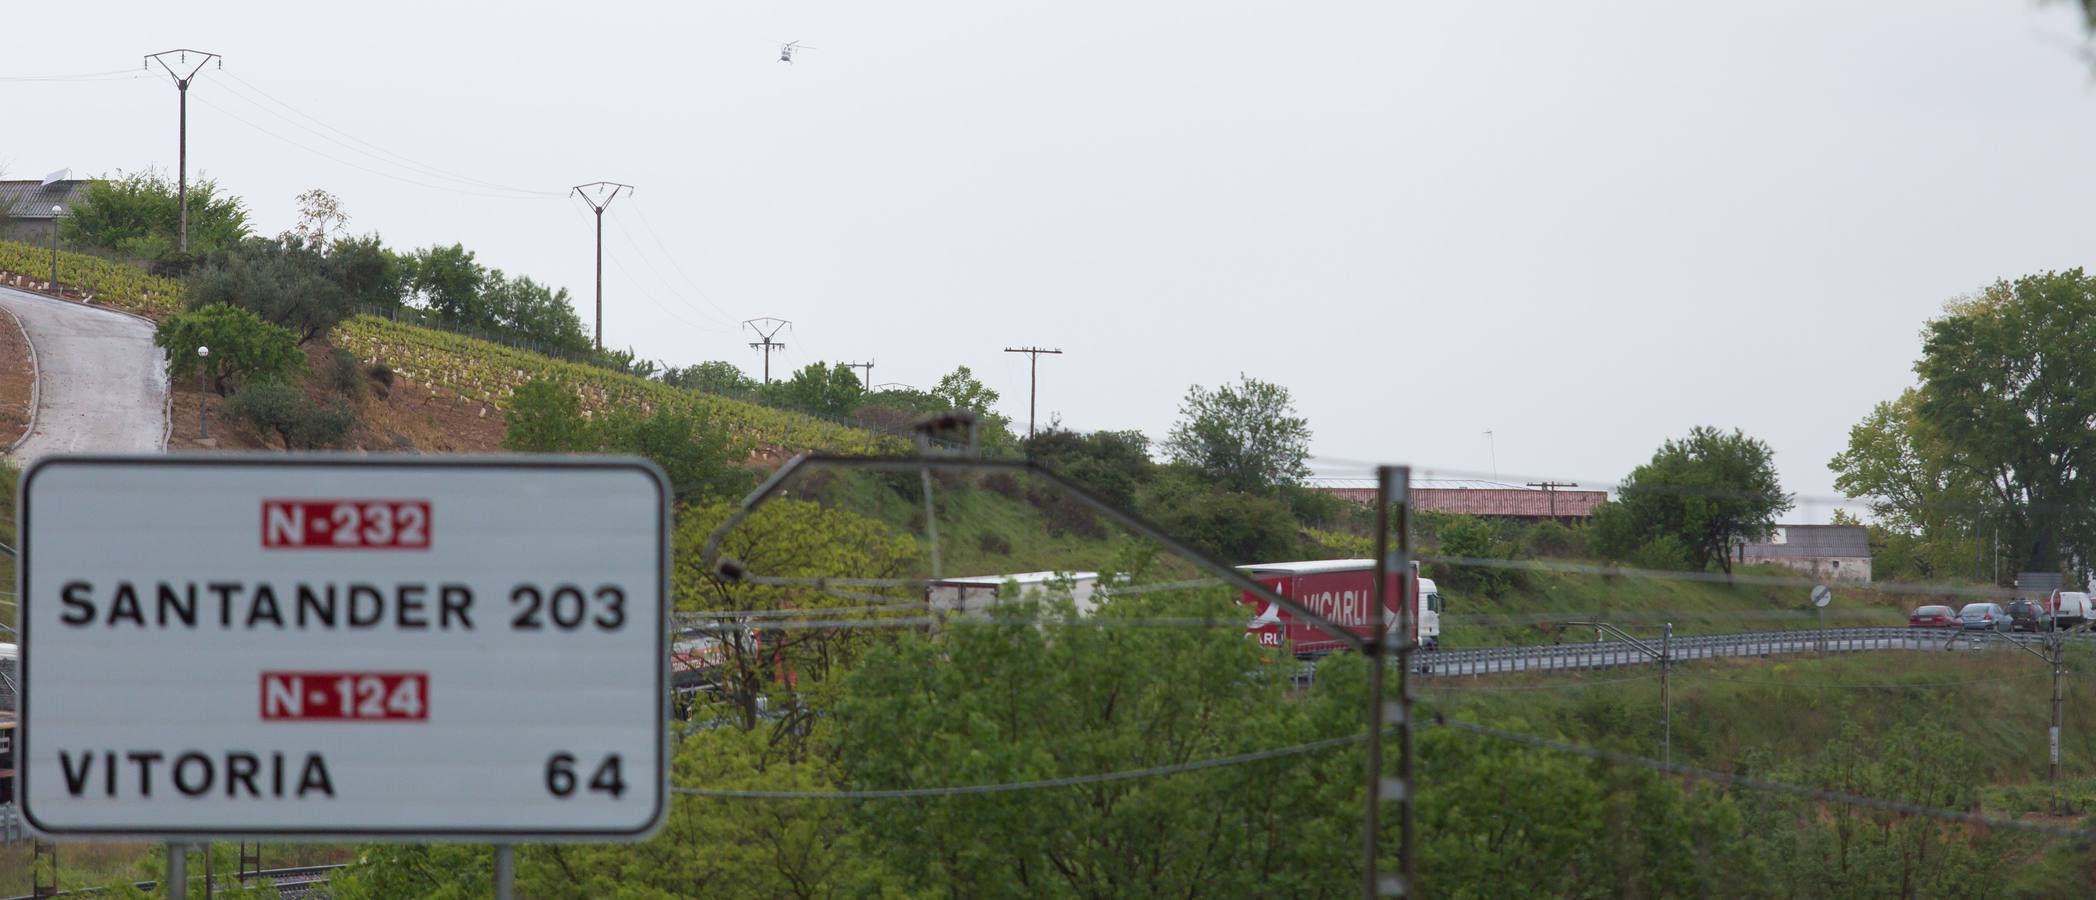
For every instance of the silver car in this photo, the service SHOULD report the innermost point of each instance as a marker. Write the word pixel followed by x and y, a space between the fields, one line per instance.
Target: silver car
pixel 1985 616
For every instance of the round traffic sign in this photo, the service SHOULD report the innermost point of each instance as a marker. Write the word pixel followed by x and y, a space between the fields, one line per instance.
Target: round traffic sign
pixel 1822 595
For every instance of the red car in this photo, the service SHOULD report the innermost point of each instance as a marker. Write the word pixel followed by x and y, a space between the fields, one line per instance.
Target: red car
pixel 1933 617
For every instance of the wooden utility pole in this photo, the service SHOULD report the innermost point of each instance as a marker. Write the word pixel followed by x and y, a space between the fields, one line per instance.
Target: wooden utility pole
pixel 1033 379
pixel 182 80
pixel 599 200
pixel 1550 487
pixel 765 328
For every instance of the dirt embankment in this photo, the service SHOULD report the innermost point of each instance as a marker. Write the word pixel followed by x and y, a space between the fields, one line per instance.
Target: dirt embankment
pixel 393 415
pixel 17 382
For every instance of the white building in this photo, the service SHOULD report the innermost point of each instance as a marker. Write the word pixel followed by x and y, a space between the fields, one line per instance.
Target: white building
pixel 1826 552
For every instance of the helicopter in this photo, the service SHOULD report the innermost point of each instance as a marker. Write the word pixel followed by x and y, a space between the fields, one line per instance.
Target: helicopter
pixel 786 50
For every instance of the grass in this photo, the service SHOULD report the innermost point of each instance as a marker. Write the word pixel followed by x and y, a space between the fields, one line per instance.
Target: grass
pixel 1996 702
pixel 1534 609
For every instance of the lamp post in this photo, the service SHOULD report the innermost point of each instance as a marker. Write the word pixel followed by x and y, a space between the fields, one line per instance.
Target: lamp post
pixel 203 395
pixel 55 210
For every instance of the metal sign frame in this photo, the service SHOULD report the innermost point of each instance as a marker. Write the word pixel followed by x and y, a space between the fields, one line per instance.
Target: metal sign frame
pixel 659 787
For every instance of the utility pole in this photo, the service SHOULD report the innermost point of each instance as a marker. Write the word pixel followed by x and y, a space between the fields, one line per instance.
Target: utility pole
pixel 2054 656
pixel 766 327
pixel 182 81
pixel 599 199
pixel 1392 569
pixel 1033 379
pixel 1662 654
pixel 1550 487
pixel 866 382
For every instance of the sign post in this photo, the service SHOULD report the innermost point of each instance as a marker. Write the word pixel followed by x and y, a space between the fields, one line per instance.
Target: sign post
pixel 325 647
pixel 1821 596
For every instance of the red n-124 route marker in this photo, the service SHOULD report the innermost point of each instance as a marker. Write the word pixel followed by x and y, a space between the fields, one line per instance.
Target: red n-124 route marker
pixel 345 696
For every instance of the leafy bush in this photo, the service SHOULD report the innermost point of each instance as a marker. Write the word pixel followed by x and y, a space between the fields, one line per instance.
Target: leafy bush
pixel 1553 539
pixel 1231 526
pixel 273 407
pixel 346 374
pixel 1470 537
pixel 700 459
pixel 243 347
pixel 281 279
pixel 1663 552
pixel 138 215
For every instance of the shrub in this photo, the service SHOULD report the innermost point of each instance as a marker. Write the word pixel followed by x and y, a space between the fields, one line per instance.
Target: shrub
pixel 346 375
pixel 1553 539
pixel 1473 538
pixel 545 417
pixel 243 347
pixel 1665 552
pixel 273 407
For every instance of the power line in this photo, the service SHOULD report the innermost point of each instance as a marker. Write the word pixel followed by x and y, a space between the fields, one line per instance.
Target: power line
pixel 639 210
pixel 359 166
pixel 480 187
pixel 649 261
pixel 405 161
pixel 1041 784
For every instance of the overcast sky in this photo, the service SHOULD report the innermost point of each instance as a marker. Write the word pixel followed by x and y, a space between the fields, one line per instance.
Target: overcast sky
pixel 1585 227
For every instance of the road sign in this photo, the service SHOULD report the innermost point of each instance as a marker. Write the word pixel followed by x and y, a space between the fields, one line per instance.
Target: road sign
pixel 314 646
pixel 1822 595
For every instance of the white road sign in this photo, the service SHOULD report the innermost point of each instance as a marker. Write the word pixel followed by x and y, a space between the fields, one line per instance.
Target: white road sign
pixel 412 647
pixel 1821 595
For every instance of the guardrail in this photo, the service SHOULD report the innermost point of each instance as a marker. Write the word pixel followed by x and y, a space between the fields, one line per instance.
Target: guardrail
pixel 1609 654
pixel 292 882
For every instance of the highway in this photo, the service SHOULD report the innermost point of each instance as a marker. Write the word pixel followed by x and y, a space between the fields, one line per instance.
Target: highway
pixel 1614 653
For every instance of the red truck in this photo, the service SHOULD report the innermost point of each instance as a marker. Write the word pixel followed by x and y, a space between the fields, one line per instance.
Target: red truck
pixel 1342 590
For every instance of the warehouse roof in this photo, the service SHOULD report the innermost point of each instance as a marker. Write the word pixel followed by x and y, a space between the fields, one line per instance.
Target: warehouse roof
pixel 1813 540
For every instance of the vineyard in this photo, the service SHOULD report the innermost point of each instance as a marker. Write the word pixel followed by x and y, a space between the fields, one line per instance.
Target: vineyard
pixel 107 283
pixel 487 372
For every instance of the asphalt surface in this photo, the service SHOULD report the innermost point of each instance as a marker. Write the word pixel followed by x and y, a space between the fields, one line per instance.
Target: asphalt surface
pixel 102 383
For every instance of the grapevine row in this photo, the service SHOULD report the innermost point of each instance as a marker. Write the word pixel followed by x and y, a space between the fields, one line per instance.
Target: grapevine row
pixel 108 283
pixel 489 373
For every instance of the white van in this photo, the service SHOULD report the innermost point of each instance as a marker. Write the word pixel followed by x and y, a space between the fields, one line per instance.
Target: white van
pixel 2069 608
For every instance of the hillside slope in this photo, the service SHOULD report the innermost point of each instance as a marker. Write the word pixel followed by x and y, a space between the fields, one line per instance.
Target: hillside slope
pixel 486 372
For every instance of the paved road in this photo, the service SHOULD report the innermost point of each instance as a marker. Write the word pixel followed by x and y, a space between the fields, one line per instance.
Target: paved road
pixel 103 384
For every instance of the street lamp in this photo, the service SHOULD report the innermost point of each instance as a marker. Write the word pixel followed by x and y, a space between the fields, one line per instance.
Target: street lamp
pixel 203 395
pixel 55 210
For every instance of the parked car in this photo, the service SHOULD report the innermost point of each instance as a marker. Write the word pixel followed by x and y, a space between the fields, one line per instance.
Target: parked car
pixel 1984 616
pixel 2069 608
pixel 2029 616
pixel 1933 617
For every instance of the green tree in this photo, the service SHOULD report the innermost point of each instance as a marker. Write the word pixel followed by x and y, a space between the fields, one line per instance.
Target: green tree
pixel 1469 537
pixel 243 347
pixel 712 377
pixel 138 215
pixel 1693 501
pixel 534 312
pixel 1246 437
pixel 370 274
pixel 1114 463
pixel 988 704
pixel 1232 526
pixel 1929 510
pixel 702 460
pixel 285 281
pixel 2009 392
pixel 447 281
pixel 819 389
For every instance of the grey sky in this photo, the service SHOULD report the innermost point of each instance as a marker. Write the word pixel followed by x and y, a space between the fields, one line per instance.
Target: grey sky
pixel 1585 226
